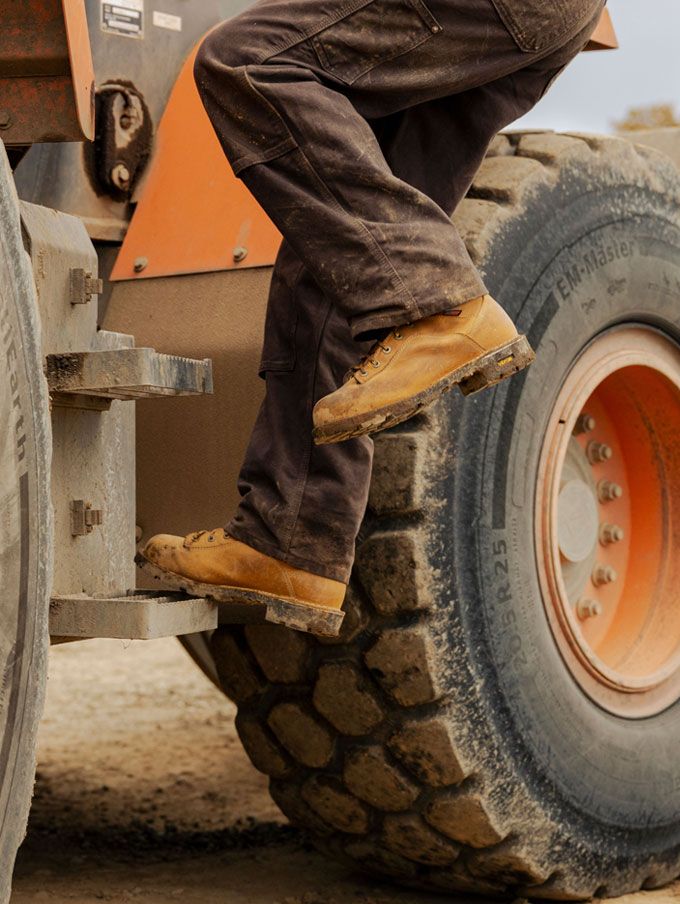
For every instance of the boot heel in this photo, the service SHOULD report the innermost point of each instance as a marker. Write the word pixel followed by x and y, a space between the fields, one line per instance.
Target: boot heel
pixel 499 365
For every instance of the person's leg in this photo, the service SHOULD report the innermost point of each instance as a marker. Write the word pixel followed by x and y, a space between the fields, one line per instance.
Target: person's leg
pixel 301 503
pixel 289 86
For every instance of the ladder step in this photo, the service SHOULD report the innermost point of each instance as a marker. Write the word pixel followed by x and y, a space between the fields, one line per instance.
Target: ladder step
pixel 139 615
pixel 128 373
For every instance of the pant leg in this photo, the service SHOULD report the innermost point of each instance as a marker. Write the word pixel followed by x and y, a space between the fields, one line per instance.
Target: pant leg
pixel 289 86
pixel 302 503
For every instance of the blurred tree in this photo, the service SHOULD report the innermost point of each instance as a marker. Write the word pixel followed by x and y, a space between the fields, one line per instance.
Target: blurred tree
pixel 659 116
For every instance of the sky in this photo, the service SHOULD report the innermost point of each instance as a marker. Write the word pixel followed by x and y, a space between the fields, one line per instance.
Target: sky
pixel 598 88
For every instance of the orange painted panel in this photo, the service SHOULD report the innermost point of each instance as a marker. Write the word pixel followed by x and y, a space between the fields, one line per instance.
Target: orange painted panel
pixel 192 212
pixel 604 36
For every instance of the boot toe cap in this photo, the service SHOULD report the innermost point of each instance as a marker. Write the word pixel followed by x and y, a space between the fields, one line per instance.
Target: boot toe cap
pixel 159 546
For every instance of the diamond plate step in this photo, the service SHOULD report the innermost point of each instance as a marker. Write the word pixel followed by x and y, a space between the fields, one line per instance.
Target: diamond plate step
pixel 127 373
pixel 139 615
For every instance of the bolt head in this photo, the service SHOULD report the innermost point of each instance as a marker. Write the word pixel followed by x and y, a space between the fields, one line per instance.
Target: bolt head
pixel 140 264
pixel 585 423
pixel 239 254
pixel 120 176
pixel 5 119
pixel 588 609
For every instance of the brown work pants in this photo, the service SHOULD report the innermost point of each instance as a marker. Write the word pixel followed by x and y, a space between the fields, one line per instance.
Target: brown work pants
pixel 358 125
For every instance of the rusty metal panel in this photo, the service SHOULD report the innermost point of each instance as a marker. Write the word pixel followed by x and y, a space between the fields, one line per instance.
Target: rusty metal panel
pixel 193 215
pixel 46 72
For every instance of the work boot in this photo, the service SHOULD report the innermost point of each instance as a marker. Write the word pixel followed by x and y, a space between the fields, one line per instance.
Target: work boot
pixel 473 346
pixel 212 564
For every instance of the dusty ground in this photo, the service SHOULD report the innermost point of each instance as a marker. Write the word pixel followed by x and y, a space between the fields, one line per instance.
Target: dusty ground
pixel 145 795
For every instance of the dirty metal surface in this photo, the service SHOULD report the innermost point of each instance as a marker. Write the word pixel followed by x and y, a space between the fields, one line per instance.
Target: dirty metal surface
pixel 135 616
pixel 128 373
pixel 46 72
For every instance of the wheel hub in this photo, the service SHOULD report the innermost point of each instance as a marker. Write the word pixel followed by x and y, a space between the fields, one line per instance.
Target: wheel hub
pixel 608 521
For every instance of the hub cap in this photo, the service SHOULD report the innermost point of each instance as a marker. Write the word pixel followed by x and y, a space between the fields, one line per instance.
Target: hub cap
pixel 608 521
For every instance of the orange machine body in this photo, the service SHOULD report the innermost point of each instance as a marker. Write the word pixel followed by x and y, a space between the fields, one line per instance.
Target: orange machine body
pixel 193 215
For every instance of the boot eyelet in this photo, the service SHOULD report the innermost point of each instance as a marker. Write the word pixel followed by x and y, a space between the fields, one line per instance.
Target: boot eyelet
pixel 397 335
pixel 211 538
pixel 387 349
pixel 375 363
pixel 364 373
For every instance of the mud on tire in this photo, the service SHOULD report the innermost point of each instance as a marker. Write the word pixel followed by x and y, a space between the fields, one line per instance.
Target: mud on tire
pixel 441 740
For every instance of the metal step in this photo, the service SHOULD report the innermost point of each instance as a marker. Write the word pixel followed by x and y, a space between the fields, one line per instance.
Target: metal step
pixel 139 615
pixel 126 374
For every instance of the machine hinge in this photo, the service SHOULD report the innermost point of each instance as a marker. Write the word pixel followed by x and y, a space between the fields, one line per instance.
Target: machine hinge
pixel 84 518
pixel 84 286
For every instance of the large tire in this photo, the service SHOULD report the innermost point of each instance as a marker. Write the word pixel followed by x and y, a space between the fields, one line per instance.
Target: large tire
pixel 25 529
pixel 443 739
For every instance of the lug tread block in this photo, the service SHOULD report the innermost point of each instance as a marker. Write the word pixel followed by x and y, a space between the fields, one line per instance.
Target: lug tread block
pixel 427 750
pixel 238 673
pixel 397 487
pixel 343 697
pixel 379 859
pixel 464 817
pixel 406 834
pixel 265 754
pixel 301 734
pixel 336 806
pixel 509 864
pixel 400 661
pixel 496 181
pixel 392 568
pixel 288 798
pixel 282 655
pixel 371 777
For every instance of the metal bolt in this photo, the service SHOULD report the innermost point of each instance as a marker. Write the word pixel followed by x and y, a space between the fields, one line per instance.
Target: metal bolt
pixel 140 264
pixel 120 176
pixel 611 533
pixel 603 574
pixel 239 254
pixel 139 533
pixel 608 491
pixel 5 119
pixel 125 121
pixel 585 423
pixel 598 452
pixel 588 609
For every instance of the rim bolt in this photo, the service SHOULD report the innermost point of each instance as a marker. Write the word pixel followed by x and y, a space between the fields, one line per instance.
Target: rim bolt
pixel 603 574
pixel 598 452
pixel 609 491
pixel 611 533
pixel 585 423
pixel 588 609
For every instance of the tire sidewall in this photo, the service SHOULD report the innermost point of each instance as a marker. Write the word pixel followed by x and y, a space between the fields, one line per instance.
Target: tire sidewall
pixel 590 267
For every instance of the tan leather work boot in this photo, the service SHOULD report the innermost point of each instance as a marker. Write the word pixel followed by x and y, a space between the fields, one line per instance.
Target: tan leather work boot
pixel 473 346
pixel 212 564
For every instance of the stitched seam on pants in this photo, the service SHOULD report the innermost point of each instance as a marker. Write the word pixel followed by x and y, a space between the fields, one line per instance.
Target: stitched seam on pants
pixel 283 147
pixel 308 33
pixel 310 443
pixel 383 258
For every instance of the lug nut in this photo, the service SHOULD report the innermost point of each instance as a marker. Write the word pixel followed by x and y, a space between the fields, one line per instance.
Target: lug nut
pixel 5 119
pixel 598 452
pixel 588 609
pixel 608 491
pixel 585 423
pixel 611 533
pixel 603 574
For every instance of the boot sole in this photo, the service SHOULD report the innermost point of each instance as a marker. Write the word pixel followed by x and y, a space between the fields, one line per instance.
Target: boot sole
pixel 278 610
pixel 476 375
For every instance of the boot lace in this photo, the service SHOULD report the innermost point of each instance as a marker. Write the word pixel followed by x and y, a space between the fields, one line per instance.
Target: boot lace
pixel 370 360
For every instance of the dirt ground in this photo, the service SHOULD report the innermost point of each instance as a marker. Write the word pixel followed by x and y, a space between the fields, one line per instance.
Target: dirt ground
pixel 145 795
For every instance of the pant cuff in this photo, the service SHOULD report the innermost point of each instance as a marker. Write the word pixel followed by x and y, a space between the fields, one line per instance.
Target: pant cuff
pixel 369 326
pixel 333 572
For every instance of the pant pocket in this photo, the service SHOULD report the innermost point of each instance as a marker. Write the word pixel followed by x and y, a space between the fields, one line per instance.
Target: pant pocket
pixel 538 26
pixel 377 32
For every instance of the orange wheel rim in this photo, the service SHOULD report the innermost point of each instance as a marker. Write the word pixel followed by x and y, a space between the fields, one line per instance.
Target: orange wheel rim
pixel 608 521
